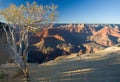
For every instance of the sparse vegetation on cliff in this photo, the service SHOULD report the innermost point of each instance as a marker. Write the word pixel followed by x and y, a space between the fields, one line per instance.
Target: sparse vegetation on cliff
pixel 20 20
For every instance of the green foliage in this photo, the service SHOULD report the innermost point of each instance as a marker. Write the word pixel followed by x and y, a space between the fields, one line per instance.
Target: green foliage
pixel 2 75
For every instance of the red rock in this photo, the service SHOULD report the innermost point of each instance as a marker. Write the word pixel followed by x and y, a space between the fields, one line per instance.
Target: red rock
pixel 102 37
pixel 59 37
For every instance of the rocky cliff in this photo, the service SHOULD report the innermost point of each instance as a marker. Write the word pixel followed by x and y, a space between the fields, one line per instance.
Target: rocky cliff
pixel 107 36
pixel 75 38
pixel 66 39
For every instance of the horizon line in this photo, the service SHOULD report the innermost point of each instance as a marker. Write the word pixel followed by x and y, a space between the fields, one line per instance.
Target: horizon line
pixel 82 23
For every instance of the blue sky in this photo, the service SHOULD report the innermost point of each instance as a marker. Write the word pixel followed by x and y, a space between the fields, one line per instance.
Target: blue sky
pixel 80 11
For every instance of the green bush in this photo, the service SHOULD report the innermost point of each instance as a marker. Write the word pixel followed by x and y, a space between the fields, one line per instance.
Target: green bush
pixel 2 75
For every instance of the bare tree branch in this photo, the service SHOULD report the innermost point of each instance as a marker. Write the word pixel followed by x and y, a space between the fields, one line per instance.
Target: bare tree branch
pixel 23 18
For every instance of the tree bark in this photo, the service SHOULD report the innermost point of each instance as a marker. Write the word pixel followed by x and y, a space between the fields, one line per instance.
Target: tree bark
pixel 20 54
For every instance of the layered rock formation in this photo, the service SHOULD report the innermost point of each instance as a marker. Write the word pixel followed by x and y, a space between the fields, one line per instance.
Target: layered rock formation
pixel 107 36
pixel 74 38
pixel 93 47
pixel 66 39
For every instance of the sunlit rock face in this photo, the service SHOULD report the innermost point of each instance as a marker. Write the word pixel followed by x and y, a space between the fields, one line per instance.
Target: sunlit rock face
pixel 107 36
pixel 93 47
pixel 116 28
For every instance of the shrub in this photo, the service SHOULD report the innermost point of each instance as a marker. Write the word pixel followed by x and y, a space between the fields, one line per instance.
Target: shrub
pixel 2 75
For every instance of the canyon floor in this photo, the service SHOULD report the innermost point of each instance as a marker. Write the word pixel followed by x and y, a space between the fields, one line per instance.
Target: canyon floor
pixel 103 66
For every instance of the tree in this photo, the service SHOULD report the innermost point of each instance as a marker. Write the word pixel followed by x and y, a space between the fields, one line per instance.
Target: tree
pixel 21 20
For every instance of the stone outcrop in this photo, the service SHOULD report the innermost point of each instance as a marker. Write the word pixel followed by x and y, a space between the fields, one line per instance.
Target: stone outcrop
pixel 59 37
pixel 79 28
pixel 93 47
pixel 107 36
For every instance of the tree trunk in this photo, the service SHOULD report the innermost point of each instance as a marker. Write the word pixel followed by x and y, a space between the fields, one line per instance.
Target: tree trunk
pixel 20 55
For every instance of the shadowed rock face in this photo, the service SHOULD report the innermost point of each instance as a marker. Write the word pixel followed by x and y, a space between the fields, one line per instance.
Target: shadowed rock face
pixel 66 39
pixel 74 38
pixel 5 52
